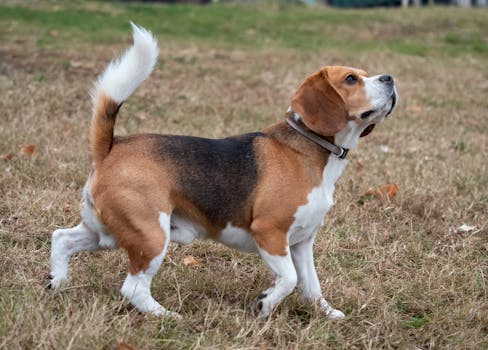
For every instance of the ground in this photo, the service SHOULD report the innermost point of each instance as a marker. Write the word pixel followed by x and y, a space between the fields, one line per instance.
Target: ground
pixel 404 271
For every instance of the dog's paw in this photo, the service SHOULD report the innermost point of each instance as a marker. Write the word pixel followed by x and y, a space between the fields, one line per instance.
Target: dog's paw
pixel 335 314
pixel 262 307
pixel 174 315
pixel 329 311
pixel 162 312
pixel 55 282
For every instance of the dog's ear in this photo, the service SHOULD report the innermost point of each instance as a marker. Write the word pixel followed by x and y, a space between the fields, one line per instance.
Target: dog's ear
pixel 368 130
pixel 320 105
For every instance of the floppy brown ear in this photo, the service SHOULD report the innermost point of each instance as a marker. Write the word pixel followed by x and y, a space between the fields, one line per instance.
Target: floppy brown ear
pixel 368 130
pixel 320 105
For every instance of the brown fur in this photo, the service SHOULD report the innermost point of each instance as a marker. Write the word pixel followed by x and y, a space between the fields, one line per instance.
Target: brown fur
pixel 326 103
pixel 353 96
pixel 102 128
pixel 129 192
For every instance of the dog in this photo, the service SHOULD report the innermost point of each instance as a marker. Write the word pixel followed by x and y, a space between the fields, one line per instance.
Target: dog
pixel 265 192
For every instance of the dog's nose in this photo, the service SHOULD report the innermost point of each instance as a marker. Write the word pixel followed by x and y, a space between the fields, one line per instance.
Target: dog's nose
pixel 387 79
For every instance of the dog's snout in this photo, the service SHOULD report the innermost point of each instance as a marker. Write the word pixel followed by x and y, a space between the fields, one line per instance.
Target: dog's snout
pixel 387 79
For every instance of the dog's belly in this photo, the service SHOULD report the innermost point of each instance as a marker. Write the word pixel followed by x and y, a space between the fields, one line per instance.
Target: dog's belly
pixel 184 231
pixel 237 238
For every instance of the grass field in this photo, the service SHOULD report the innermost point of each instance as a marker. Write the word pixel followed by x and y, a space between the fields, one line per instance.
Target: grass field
pixel 403 271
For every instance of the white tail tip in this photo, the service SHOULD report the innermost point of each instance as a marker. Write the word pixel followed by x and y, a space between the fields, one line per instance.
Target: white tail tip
pixel 125 74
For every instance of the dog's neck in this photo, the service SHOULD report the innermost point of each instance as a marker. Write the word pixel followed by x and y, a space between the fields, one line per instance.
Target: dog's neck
pixel 283 133
pixel 349 136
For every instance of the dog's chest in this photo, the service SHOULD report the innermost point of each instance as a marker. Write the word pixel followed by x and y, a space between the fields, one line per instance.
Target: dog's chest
pixel 309 217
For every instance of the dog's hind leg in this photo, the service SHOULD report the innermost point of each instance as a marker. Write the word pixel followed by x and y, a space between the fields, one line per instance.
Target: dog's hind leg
pixel 66 242
pixel 146 255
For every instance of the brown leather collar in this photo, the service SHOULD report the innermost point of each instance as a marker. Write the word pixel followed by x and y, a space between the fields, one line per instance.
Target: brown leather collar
pixel 294 120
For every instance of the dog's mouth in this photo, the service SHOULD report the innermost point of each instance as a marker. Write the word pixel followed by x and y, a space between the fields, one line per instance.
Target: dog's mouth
pixel 392 98
pixel 393 103
pixel 370 127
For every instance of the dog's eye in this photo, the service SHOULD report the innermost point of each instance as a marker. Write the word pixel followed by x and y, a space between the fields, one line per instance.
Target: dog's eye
pixel 351 79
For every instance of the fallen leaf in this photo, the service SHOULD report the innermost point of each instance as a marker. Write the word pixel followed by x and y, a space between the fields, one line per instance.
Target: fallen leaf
pixel 387 191
pixel 28 150
pixel 414 109
pixel 190 260
pixel 8 156
pixel 124 346
pixel 67 207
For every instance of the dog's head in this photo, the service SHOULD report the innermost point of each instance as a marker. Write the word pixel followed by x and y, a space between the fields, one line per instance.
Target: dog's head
pixel 330 98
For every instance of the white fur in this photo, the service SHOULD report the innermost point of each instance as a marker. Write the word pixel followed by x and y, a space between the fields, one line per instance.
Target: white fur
pixel 89 235
pixel 107 240
pixel 308 281
pixel 310 216
pixel 349 136
pixel 165 223
pixel 137 288
pixel 237 238
pixel 90 218
pixel 185 231
pixel 285 282
pixel 66 242
pixel 124 75
pixel 378 92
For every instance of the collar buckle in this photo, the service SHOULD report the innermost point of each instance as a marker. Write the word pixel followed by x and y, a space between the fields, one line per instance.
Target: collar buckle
pixel 344 152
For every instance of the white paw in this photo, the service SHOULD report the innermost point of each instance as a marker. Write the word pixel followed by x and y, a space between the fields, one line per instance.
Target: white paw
pixel 329 311
pixel 166 313
pixel 57 282
pixel 262 308
pixel 174 315
pixel 335 314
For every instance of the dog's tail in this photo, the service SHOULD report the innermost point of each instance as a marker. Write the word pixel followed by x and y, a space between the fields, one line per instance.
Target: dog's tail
pixel 115 85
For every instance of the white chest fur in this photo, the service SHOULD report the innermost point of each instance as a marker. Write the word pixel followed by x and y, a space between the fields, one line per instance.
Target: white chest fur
pixel 309 217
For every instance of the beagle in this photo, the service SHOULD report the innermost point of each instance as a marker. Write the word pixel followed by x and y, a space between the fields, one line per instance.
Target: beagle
pixel 265 192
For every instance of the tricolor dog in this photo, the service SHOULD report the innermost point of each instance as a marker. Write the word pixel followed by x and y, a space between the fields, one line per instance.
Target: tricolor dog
pixel 265 192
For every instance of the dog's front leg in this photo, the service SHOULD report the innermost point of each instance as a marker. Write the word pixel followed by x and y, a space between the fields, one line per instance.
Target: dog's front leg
pixel 308 282
pixel 285 282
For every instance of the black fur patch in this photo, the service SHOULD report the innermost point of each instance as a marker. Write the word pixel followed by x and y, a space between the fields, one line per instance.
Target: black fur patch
pixel 217 176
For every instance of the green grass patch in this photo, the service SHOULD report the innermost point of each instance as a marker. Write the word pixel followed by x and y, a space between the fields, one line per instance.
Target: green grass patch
pixel 258 26
pixel 416 322
pixel 469 42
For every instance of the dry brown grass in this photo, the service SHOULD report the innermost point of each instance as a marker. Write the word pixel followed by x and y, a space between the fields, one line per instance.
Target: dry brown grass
pixel 403 273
